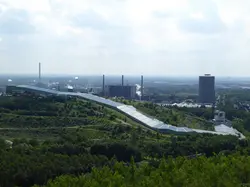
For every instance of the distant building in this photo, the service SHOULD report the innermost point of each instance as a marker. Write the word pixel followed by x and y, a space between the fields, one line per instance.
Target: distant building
pixel 2 89
pixel 70 89
pixel 11 89
pixel 128 92
pixel 207 89
pixel 219 116
pixel 41 85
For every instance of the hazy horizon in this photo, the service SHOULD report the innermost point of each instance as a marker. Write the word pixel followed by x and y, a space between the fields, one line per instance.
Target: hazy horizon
pixel 130 37
pixel 117 76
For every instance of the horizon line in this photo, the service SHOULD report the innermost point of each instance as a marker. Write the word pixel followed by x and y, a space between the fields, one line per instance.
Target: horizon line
pixel 110 74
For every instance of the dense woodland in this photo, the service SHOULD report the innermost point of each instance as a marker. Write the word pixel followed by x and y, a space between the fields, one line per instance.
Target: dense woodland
pixel 68 141
pixel 219 170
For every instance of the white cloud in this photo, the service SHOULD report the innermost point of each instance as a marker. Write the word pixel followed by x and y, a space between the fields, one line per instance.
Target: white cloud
pixel 197 15
pixel 29 5
pixel 125 36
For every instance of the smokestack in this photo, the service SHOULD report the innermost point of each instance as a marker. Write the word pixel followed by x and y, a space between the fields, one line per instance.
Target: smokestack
pixel 103 85
pixel 122 80
pixel 142 94
pixel 39 71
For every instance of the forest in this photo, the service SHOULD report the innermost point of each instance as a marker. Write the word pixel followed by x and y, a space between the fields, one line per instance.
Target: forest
pixel 57 142
pixel 219 170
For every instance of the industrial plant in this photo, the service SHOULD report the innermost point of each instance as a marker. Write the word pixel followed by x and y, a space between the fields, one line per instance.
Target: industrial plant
pixel 206 93
pixel 127 91
pixel 135 91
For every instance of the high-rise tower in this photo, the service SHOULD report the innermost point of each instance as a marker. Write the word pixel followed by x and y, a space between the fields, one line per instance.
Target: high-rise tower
pixel 207 89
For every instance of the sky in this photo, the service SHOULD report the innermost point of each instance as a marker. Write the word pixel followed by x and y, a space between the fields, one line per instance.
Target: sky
pixel 130 37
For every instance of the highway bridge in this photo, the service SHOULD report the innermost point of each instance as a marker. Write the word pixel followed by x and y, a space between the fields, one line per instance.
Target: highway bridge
pixel 133 113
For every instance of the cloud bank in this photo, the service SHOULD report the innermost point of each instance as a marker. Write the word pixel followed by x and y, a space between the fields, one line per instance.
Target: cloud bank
pixel 131 37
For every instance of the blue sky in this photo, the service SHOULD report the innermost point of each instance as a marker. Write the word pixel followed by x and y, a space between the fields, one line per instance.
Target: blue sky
pixel 131 37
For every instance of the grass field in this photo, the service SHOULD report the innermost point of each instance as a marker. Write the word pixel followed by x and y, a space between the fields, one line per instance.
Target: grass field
pixel 47 119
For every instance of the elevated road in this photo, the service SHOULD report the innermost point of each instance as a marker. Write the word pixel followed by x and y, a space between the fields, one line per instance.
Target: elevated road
pixel 132 113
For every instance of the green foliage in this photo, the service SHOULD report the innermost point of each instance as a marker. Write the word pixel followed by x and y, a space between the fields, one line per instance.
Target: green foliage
pixel 218 170
pixel 205 113
pixel 122 152
pixel 53 137
pixel 193 118
pixel 51 112
pixel 27 163
pixel 232 104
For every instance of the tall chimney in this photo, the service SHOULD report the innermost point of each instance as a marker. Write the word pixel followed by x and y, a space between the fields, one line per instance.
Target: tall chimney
pixel 103 85
pixel 39 71
pixel 142 94
pixel 122 80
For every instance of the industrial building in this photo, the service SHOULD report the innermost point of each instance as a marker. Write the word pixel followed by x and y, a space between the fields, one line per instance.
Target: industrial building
pixel 11 89
pixel 128 91
pixel 207 89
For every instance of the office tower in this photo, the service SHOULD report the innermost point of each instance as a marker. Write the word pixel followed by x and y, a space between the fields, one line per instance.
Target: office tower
pixel 207 89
